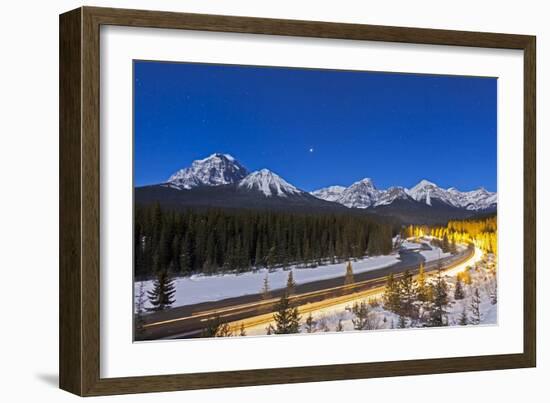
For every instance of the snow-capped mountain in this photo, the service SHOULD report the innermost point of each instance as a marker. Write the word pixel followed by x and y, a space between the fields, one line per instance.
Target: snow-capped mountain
pixel 425 191
pixel 220 181
pixel 363 194
pixel 269 183
pixel 392 194
pixel 331 193
pixel 215 170
pixel 479 199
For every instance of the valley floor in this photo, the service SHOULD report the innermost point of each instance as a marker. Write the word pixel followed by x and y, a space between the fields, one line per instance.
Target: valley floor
pixel 202 288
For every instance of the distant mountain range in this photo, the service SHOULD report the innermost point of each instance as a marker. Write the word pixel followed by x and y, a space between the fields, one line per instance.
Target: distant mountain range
pixel 221 181
pixel 363 194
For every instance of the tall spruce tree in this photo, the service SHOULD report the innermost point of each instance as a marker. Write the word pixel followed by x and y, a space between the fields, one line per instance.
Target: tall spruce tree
pixel 266 293
pixel 216 328
pixel 459 289
pixel 407 296
pixel 440 304
pixel 392 296
pixel 361 312
pixel 290 284
pixel 463 321
pixel 475 307
pixel 139 322
pixel 286 317
pixel 349 275
pixel 161 296
pixel 421 285
pixel 310 324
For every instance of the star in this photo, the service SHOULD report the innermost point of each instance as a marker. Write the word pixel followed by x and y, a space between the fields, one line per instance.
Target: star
pixel 311 150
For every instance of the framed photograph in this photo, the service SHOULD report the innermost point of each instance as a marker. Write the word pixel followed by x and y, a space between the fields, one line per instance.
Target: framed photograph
pixel 251 201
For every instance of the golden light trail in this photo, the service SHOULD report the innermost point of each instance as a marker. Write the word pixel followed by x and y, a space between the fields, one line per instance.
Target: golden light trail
pixel 254 323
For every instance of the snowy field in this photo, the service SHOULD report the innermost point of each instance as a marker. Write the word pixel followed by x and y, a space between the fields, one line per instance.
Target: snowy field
pixel 201 288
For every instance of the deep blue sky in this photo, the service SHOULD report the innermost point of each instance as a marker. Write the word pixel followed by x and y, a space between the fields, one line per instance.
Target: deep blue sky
pixel 316 128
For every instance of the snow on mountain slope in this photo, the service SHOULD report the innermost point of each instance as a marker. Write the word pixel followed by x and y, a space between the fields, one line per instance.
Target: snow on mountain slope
pixel 217 169
pixel 475 199
pixel 392 194
pixel 363 194
pixel 222 169
pixel 269 183
pixel 425 191
pixel 331 193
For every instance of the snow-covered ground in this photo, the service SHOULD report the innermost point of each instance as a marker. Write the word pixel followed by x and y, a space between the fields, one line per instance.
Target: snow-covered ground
pixel 201 288
pixel 483 277
pixel 433 254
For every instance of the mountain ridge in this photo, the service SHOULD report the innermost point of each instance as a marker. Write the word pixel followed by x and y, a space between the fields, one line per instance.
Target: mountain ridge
pixel 219 180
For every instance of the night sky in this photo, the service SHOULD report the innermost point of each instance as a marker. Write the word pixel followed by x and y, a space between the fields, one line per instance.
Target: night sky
pixel 316 128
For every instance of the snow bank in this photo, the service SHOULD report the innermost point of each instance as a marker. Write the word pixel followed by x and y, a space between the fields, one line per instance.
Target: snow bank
pixel 434 254
pixel 201 288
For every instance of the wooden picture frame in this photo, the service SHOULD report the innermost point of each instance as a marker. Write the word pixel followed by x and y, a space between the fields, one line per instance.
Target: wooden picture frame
pixel 79 346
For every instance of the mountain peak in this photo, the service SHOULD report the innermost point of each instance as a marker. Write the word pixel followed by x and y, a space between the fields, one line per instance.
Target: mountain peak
pixel 214 170
pixel 361 194
pixel 269 183
pixel 228 157
pixel 366 181
pixel 330 193
pixel 425 183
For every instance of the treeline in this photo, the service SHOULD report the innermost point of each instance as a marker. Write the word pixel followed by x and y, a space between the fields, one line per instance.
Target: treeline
pixel 215 240
pixel 482 232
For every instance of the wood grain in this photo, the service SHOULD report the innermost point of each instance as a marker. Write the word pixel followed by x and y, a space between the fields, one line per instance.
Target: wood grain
pixel 70 271
pixel 80 196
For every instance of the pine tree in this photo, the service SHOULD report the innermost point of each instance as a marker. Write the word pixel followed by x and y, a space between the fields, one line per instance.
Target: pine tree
pixel 445 243
pixel 339 326
pixel 270 329
pixel 361 312
pixel 392 297
pixel 310 324
pixel 286 318
pixel 438 314
pixel 402 322
pixel 463 318
pixel 266 294
pixel 270 259
pixel 216 328
pixel 475 308
pixel 186 252
pixel 407 296
pixel 139 322
pixel 459 289
pixel 349 275
pixel 224 331
pixel 242 332
pixel 161 296
pixel 290 284
pixel 421 285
